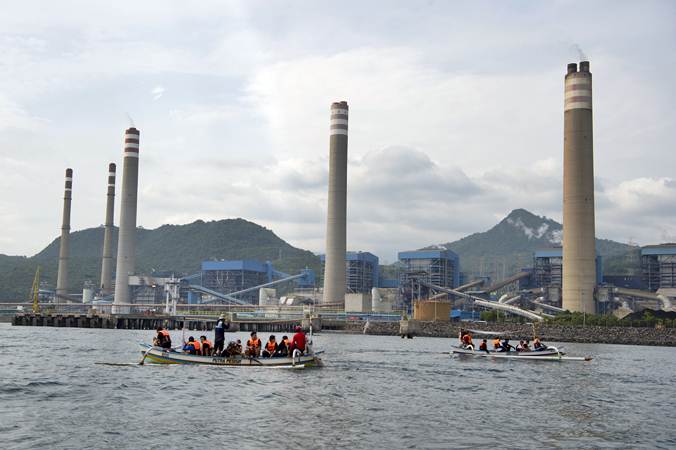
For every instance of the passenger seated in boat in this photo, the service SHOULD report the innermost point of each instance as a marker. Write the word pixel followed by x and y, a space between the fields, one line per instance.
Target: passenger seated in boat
pixel 283 347
pixel 297 341
pixel 207 346
pixel 270 347
pixel 253 346
pixel 538 346
pixel 189 347
pixel 483 346
pixel 162 339
pixel 505 347
pixel 233 349
pixel 467 341
pixel 496 343
pixel 519 347
pixel 525 347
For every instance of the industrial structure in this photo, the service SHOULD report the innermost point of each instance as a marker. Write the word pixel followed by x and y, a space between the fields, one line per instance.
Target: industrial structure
pixel 658 266
pixel 579 252
pixel 106 285
pixel 126 244
pixel 362 271
pixel 420 268
pixel 336 214
pixel 64 252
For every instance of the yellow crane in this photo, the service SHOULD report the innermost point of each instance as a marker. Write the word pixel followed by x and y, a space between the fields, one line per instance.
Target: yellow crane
pixel 35 291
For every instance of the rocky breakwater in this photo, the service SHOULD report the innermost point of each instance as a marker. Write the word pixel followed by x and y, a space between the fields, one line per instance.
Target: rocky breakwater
pixel 546 332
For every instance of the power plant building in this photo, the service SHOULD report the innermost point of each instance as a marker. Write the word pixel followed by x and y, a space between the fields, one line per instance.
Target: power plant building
pixel 437 267
pixel 548 267
pixel 362 272
pixel 579 252
pixel 658 266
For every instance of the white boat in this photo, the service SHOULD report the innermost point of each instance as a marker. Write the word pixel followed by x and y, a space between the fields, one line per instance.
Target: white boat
pixel 549 354
pixel 161 355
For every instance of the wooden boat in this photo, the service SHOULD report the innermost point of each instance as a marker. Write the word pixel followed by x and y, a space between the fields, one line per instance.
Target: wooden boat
pixel 549 354
pixel 160 355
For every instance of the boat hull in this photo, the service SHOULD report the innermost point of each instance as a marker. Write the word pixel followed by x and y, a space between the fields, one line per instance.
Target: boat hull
pixel 549 354
pixel 159 355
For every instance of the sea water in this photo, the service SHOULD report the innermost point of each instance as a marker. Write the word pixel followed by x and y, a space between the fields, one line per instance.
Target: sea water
pixel 374 392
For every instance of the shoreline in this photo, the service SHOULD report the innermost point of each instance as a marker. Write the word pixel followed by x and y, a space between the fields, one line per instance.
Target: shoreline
pixel 661 337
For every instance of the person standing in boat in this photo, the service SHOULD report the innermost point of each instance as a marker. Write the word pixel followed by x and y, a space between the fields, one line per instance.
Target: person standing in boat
pixel 253 346
pixel 270 347
pixel 219 335
pixel 298 341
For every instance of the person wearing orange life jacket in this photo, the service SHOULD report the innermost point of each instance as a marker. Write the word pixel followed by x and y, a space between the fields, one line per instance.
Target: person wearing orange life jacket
pixel 253 346
pixel 163 339
pixel 270 347
pixel 496 343
pixel 198 347
pixel 467 340
pixel 207 346
pixel 483 346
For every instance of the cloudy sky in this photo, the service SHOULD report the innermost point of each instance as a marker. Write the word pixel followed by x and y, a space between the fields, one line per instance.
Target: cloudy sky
pixel 456 114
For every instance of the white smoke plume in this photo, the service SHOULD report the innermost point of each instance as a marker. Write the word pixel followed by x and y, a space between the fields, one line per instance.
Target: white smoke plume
pixel 131 121
pixel 580 53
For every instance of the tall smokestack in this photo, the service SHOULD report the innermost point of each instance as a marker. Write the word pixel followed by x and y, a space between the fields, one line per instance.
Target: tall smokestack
pixel 126 242
pixel 334 269
pixel 107 259
pixel 579 246
pixel 62 276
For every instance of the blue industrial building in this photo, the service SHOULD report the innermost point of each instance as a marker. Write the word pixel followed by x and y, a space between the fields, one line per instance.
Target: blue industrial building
pixel 437 267
pixel 548 267
pixel 362 271
pixel 658 266
pixel 235 275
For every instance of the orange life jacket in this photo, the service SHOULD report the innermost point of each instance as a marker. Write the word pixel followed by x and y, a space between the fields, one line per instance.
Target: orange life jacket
pixel 254 344
pixel 163 333
pixel 196 344
pixel 483 346
pixel 496 343
pixel 271 346
pixel 467 339
pixel 207 344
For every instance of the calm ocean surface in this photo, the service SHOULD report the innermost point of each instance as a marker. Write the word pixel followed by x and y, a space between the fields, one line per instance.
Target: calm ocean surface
pixel 374 392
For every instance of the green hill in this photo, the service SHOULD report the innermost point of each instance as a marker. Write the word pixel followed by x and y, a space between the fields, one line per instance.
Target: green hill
pixel 178 248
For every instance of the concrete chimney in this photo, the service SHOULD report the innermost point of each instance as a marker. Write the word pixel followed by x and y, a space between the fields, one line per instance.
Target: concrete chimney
pixel 62 276
pixel 579 246
pixel 107 259
pixel 334 269
pixel 126 242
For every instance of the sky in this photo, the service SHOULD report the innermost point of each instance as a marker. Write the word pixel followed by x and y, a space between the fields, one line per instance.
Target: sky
pixel 456 114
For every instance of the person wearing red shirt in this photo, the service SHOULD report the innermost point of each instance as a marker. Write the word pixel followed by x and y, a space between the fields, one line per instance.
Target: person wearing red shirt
pixel 298 341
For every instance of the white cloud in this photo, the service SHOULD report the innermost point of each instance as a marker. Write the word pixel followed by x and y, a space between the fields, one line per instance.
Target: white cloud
pixel 157 92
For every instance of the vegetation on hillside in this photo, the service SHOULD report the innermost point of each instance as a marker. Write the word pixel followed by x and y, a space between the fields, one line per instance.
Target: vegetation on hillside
pixel 174 248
